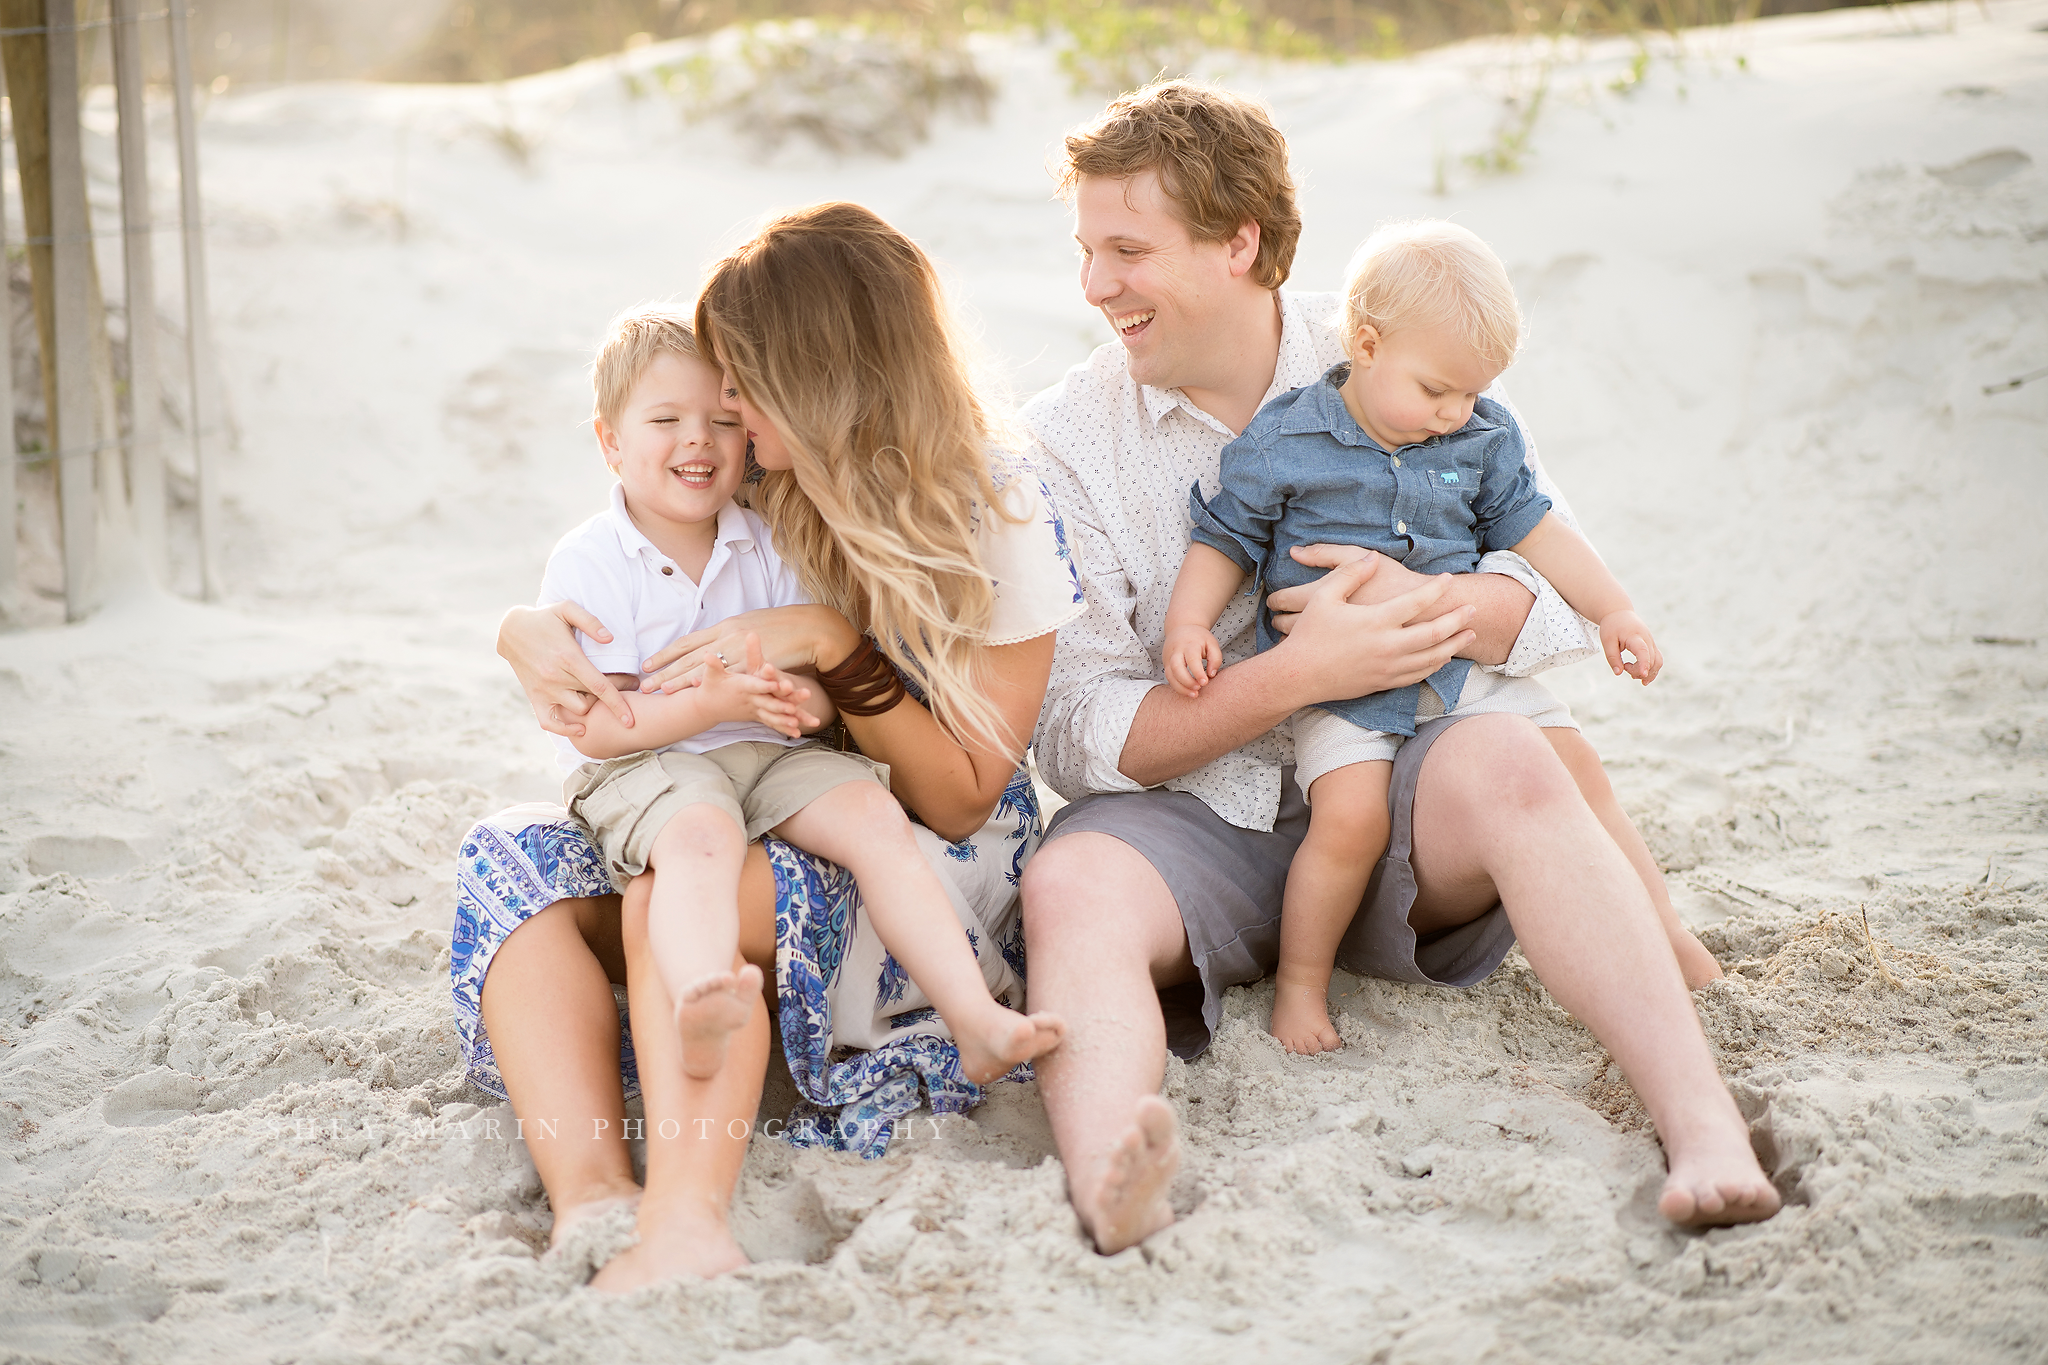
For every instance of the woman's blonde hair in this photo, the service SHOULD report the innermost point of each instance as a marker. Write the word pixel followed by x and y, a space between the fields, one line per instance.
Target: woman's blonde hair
pixel 832 323
pixel 1429 273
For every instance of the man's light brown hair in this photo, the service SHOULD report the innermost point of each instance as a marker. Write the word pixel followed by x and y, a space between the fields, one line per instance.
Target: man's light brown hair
pixel 1220 161
pixel 631 343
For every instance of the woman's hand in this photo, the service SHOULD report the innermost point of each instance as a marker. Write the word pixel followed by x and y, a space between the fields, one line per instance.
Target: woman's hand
pixel 558 678
pixel 807 639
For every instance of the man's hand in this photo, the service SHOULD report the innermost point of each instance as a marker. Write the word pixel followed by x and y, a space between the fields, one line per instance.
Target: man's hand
pixel 1388 580
pixel 558 678
pixel 1192 658
pixel 1621 630
pixel 1353 651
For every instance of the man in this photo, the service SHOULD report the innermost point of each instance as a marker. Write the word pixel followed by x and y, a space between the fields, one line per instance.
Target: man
pixel 1157 888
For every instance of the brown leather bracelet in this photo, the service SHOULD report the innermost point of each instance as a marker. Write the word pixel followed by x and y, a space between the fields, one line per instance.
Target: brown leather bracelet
pixel 864 683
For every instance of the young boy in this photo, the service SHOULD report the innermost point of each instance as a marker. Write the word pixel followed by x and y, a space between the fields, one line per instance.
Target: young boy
pixel 1395 451
pixel 703 771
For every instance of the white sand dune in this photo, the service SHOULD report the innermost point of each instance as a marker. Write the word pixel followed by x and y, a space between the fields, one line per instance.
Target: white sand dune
pixel 1766 297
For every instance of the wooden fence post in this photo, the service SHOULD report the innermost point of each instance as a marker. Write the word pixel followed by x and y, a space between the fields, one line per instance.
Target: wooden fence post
pixel 10 457
pixel 198 340
pixel 144 399
pixel 72 429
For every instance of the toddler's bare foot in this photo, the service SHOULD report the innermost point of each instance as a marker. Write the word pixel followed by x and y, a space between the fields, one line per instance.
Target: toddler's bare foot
pixel 569 1215
pixel 988 1049
pixel 1301 1019
pixel 670 1248
pixel 1695 963
pixel 1122 1200
pixel 711 1008
pixel 1715 1181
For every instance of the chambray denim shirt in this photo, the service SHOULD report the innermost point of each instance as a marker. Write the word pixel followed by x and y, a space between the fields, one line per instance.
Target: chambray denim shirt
pixel 1305 473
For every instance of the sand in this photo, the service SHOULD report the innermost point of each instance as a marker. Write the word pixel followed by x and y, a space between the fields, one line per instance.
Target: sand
pixel 1767 287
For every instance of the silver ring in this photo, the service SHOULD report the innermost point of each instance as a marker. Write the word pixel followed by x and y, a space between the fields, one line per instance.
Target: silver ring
pixel 719 655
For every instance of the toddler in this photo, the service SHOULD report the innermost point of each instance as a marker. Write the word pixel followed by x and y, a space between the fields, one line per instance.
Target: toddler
pixel 1397 451
pixel 704 770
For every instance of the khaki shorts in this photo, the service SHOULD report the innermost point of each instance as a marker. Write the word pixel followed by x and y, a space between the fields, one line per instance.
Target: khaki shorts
pixel 626 801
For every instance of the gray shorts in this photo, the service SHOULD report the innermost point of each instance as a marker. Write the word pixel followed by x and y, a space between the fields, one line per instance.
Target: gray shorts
pixel 1228 884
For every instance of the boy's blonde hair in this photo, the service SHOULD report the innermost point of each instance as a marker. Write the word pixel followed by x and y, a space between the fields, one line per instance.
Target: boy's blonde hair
pixel 632 341
pixel 1432 273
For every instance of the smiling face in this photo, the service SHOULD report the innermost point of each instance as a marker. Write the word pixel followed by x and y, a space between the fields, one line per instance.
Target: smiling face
pixel 1173 301
pixel 1414 384
pixel 677 451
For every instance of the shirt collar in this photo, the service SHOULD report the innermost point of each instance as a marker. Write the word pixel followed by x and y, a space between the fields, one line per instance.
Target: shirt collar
pixel 1322 409
pixel 1297 365
pixel 733 531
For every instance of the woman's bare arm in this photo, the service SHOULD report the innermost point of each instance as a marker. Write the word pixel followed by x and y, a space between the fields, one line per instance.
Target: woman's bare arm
pixel 558 678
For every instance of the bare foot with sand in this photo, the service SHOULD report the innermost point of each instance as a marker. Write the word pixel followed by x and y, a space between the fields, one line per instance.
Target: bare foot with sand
pixel 710 1009
pixel 1695 963
pixel 583 1210
pixel 990 1047
pixel 672 1246
pixel 1715 1181
pixel 1301 1019
pixel 1122 1200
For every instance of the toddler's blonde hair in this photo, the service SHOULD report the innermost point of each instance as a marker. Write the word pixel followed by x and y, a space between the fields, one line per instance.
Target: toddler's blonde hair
pixel 1431 273
pixel 632 341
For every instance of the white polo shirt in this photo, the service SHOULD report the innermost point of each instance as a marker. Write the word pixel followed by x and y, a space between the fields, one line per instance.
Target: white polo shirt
pixel 647 602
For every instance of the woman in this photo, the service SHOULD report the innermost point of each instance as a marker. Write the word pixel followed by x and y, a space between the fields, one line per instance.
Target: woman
pixel 930 558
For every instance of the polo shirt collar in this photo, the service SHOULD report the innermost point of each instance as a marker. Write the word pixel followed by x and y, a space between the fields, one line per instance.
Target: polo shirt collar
pixel 734 535
pixel 1297 366
pixel 1321 409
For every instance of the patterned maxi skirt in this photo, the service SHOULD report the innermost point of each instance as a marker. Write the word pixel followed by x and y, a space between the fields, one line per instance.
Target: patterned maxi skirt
pixel 864 1045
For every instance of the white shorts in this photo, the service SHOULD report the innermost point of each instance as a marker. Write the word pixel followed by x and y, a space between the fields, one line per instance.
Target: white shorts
pixel 1325 741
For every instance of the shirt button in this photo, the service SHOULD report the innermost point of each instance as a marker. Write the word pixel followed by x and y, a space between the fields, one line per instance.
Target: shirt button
pixel 666 569
pixel 1397 461
pixel 1402 527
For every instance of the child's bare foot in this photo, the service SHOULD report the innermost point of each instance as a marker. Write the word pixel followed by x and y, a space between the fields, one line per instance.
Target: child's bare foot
pixel 670 1248
pixel 988 1050
pixel 1301 1020
pixel 1695 963
pixel 1122 1200
pixel 710 1009
pixel 569 1215
pixel 1715 1181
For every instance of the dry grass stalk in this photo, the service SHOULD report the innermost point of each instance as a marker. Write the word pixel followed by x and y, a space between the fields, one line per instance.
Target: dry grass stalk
pixel 1884 973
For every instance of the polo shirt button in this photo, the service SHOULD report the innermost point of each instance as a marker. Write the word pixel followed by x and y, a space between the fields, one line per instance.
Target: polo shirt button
pixel 1402 527
pixel 666 569
pixel 1397 461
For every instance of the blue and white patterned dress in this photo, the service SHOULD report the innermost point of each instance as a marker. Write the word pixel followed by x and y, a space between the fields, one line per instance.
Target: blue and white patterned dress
pixel 864 1045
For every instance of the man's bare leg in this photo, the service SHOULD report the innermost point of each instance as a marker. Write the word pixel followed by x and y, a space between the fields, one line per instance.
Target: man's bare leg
pixel 1496 813
pixel 1695 963
pixel 697 1129
pixel 1103 934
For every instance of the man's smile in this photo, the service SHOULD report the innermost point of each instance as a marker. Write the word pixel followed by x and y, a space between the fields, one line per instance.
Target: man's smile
pixel 1130 324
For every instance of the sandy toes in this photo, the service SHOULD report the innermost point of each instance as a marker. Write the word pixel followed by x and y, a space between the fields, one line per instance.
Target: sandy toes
pixel 1301 1020
pixel 711 1008
pixel 1008 1038
pixel 1715 1183
pixel 672 1249
pixel 1128 1203
pixel 584 1212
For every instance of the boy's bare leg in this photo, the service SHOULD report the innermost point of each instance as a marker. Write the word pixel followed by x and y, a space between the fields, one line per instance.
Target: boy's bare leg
pixel 1497 815
pixel 697 1129
pixel 1103 935
pixel 547 1004
pixel 1347 833
pixel 693 932
pixel 861 827
pixel 1695 963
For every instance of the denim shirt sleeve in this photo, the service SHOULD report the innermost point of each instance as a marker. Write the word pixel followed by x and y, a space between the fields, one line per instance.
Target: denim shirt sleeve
pixel 1239 520
pixel 1509 503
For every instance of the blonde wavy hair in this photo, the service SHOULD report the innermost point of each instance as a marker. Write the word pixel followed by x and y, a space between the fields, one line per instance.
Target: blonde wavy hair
pixel 832 323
